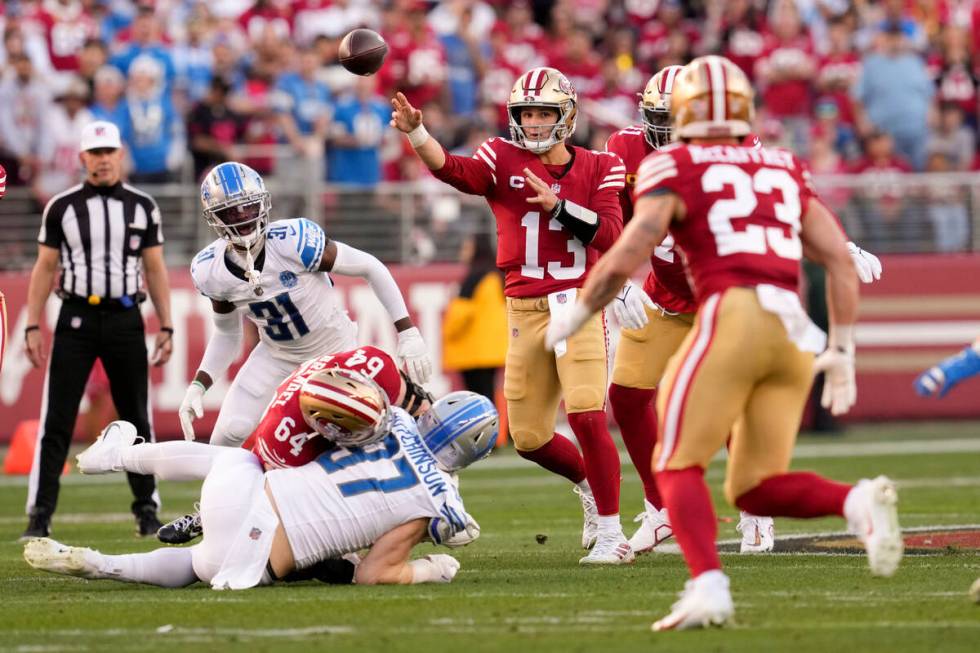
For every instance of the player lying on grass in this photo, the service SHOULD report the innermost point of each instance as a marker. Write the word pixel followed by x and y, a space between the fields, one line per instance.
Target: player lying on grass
pixel 387 486
pixel 283 439
pixel 947 373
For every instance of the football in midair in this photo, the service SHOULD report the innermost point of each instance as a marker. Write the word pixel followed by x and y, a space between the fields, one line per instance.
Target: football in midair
pixel 363 51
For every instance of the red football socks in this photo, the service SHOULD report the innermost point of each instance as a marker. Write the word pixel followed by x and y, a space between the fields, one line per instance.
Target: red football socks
pixel 795 494
pixel 692 517
pixel 633 410
pixel 601 458
pixel 559 456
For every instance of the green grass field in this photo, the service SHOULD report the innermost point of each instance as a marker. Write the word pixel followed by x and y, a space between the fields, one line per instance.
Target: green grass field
pixel 513 594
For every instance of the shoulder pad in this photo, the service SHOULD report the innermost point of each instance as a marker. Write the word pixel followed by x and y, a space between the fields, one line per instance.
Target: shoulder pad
pixel 298 240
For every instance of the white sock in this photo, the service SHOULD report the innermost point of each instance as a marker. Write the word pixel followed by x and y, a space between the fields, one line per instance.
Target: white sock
pixel 171 461
pixel 163 567
pixel 609 524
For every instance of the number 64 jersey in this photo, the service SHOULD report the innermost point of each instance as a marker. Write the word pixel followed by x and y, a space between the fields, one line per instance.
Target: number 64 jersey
pixel 297 313
pixel 743 211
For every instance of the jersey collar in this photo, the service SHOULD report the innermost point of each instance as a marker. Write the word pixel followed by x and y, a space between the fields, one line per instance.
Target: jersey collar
pixel 238 271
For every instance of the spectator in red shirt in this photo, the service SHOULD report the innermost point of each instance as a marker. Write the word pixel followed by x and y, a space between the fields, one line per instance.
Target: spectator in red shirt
pixel 416 63
pixel 654 39
pixel 67 26
pixel 784 72
pixel 580 63
pixel 956 80
pixel 839 69
pixel 881 199
pixel 264 14
pixel 741 29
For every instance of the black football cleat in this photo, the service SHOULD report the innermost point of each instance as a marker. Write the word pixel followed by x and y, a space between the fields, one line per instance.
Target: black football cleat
pixel 181 530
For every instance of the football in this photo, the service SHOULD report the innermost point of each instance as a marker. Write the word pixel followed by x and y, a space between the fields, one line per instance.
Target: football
pixel 363 52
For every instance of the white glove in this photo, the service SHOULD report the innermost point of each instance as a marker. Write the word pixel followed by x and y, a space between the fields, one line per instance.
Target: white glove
pixel 445 567
pixel 565 324
pixel 630 306
pixel 466 536
pixel 868 265
pixel 191 407
pixel 414 355
pixel 837 364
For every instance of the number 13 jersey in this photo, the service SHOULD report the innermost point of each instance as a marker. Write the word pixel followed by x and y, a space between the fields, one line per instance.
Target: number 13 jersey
pixel 536 253
pixel 297 314
pixel 743 211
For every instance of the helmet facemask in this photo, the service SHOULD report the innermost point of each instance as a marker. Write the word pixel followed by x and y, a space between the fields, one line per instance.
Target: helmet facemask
pixel 657 129
pixel 560 130
pixel 242 222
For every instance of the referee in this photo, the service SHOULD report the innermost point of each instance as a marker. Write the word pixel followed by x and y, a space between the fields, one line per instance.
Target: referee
pixel 97 232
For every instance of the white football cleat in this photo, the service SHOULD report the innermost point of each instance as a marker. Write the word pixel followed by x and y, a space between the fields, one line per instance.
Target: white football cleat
pixel 103 455
pixel 654 529
pixel 872 514
pixel 47 555
pixel 610 549
pixel 705 601
pixel 590 524
pixel 758 535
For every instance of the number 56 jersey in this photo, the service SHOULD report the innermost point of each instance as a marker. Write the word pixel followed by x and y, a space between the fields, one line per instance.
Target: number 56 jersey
pixel 536 253
pixel 347 498
pixel 297 313
pixel 743 212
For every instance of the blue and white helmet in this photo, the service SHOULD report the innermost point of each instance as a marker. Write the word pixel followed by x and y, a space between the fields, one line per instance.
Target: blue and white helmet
pixel 459 429
pixel 236 203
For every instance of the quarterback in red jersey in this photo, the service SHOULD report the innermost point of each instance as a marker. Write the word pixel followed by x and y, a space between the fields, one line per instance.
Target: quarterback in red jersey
pixel 742 217
pixel 557 209
pixel 282 438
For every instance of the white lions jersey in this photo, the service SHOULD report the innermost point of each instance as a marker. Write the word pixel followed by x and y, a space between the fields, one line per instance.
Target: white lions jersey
pixel 297 312
pixel 347 498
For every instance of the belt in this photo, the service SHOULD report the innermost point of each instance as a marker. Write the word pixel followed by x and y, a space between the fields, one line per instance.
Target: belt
pixel 123 303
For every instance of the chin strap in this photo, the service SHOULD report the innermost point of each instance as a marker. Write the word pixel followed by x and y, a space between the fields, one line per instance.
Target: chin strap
pixel 251 273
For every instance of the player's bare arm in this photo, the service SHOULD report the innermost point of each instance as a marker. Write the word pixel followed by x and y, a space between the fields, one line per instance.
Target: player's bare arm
pixel 825 245
pixel 408 119
pixel 42 278
pixel 387 561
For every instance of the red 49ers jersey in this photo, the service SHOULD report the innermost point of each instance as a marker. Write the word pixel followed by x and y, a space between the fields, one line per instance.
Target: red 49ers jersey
pixel 667 283
pixel 744 207
pixel 282 438
pixel 536 253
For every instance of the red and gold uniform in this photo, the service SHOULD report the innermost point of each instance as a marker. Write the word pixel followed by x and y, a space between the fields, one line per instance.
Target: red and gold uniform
pixel 283 439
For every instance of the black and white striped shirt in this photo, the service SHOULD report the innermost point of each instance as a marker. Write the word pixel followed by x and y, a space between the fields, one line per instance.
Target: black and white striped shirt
pixel 101 232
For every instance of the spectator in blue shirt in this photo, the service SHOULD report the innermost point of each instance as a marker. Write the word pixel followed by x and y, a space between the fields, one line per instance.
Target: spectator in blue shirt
pixel 108 102
pixel 466 56
pixel 896 91
pixel 156 134
pixel 145 41
pixel 360 121
pixel 193 62
pixel 304 106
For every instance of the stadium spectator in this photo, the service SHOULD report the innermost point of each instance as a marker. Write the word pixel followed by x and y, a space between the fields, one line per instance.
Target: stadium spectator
pixel 58 166
pixel 359 126
pixel 155 131
pixel 265 15
pixel 213 129
pixel 946 209
pixel 881 196
pixel 92 57
pixel 416 63
pixel 194 60
pixel 144 39
pixel 466 55
pixel 67 26
pixel 952 68
pixel 895 92
pixel 951 138
pixel 99 317
pixel 741 39
pixel 304 105
pixel 24 100
pixel 108 104
pixel 837 72
pixel 580 63
pixel 654 40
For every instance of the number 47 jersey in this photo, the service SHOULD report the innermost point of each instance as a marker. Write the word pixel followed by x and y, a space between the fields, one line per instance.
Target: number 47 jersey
pixel 743 211
pixel 536 253
pixel 297 313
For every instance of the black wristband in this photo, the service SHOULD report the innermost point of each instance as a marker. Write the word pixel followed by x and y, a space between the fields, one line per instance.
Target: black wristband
pixel 582 222
pixel 32 327
pixel 169 330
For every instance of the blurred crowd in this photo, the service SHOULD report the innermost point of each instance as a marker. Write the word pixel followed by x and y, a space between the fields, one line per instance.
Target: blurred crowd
pixel 878 88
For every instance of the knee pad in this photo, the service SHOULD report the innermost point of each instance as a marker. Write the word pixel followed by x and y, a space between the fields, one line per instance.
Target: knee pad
pixel 529 440
pixel 583 398
pixel 231 431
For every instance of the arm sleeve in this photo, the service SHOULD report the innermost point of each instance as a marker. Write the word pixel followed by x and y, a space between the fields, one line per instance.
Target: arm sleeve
pixel 606 204
pixel 474 175
pixel 353 262
pixel 224 345
pixel 51 233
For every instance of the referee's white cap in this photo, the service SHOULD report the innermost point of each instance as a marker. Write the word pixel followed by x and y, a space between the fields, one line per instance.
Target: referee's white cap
pixel 100 134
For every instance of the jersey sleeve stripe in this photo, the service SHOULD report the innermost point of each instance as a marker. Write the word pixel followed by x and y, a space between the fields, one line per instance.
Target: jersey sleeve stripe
pixel 489 150
pixel 648 183
pixel 614 177
pixel 613 184
pixel 486 159
pixel 617 169
pixel 654 167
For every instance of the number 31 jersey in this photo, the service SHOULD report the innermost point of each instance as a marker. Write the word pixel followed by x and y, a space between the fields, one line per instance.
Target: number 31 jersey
pixel 536 253
pixel 743 211
pixel 282 438
pixel 297 313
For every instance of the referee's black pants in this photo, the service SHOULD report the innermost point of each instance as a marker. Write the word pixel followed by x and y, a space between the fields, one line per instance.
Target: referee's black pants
pixel 84 333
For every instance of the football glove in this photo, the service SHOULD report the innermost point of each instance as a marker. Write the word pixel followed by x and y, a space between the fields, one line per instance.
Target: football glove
pixel 565 325
pixel 191 407
pixel 630 306
pixel 434 568
pixel 944 376
pixel 837 364
pixel 414 355
pixel 868 265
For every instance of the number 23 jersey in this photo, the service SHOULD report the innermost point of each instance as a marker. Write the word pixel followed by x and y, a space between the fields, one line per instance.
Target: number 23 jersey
pixel 298 315
pixel 282 438
pixel 536 253
pixel 743 212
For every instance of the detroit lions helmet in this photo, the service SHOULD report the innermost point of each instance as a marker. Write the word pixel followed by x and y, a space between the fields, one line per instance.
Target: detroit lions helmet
pixel 236 203
pixel 459 429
